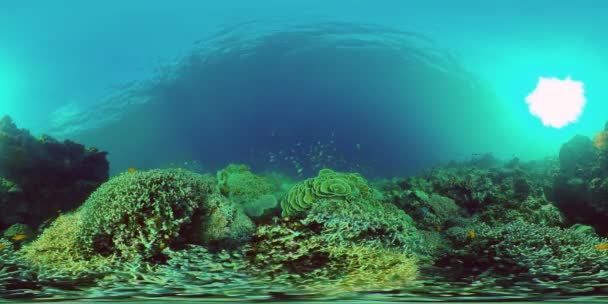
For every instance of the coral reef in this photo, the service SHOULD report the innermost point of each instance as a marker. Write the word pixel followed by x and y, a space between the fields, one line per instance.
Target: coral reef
pixel 39 177
pixel 483 225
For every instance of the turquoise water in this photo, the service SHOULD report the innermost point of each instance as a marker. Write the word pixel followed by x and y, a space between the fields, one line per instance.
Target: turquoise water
pixel 420 110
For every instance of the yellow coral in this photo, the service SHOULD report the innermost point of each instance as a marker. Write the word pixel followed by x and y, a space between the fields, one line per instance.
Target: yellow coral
pixel 600 141
pixel 369 267
pixel 56 251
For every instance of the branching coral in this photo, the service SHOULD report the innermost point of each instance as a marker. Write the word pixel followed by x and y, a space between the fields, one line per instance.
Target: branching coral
pixel 295 255
pixel 11 271
pixel 58 253
pixel 140 213
pixel 552 256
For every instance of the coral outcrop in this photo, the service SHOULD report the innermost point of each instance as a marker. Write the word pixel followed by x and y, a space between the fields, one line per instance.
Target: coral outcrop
pixel 140 213
pixel 581 187
pixel 41 176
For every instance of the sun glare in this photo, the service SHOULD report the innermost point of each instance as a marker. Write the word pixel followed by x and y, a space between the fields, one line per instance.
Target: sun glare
pixel 557 102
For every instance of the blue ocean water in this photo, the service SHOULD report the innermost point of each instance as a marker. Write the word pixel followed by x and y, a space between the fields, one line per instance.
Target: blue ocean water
pixel 400 86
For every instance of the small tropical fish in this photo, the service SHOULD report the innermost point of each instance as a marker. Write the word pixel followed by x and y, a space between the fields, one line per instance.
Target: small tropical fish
pixel 2 246
pixel 471 234
pixel 131 170
pixel 19 237
pixel 602 246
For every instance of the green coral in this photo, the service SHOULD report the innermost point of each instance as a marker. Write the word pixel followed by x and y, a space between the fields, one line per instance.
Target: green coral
pixel 327 185
pixel 565 259
pixel 294 254
pixel 341 244
pixel 259 207
pixel 257 195
pixel 238 183
pixel 140 213
pixel 363 221
pixel 59 253
pixel 224 224
pixel 11 271
pixel 430 211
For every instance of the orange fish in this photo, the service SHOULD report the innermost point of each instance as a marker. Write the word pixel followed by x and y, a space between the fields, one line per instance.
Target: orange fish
pixel 131 170
pixel 471 234
pixel 19 237
pixel 602 246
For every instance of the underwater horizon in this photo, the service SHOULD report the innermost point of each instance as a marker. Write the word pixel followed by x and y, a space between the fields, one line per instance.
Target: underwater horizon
pixel 303 151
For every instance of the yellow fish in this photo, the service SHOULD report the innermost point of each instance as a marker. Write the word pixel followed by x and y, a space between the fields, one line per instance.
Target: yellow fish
pixel 2 246
pixel 471 234
pixel 131 170
pixel 602 246
pixel 19 237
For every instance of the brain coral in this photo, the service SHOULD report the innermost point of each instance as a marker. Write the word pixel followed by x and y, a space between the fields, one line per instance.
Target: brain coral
pixel 327 185
pixel 142 212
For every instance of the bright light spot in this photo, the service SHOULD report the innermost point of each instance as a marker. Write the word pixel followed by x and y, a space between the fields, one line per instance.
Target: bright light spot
pixel 557 102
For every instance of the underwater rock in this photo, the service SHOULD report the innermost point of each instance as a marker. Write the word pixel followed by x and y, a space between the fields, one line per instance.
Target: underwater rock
pixel 577 156
pixel 47 175
pixel 12 202
pixel 581 187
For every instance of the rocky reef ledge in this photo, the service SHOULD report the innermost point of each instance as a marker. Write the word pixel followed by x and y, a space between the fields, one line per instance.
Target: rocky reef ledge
pixel 40 176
